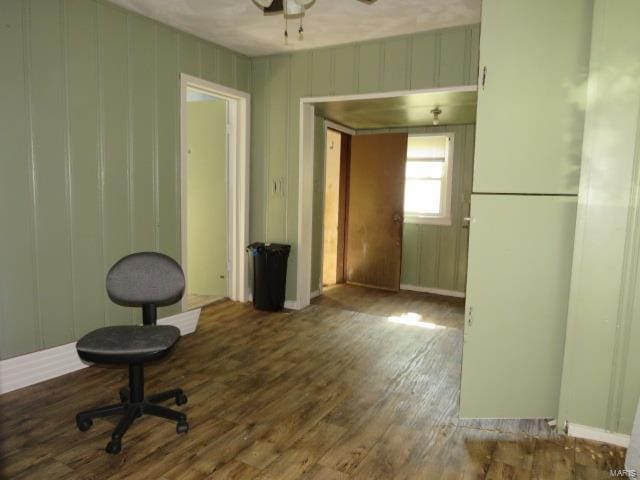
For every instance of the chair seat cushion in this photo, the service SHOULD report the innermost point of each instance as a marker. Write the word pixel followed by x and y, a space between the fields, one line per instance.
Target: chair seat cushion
pixel 127 343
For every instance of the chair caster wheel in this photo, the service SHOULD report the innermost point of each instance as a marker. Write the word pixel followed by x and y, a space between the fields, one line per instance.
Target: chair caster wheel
pixel 84 425
pixel 182 427
pixel 114 447
pixel 181 399
pixel 124 395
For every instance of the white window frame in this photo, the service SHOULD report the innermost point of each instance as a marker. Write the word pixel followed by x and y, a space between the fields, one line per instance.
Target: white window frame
pixel 446 190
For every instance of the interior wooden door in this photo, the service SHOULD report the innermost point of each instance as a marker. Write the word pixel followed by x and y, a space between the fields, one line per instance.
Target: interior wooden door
pixel 375 211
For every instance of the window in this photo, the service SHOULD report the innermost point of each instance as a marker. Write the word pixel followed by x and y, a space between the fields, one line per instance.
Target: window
pixel 427 191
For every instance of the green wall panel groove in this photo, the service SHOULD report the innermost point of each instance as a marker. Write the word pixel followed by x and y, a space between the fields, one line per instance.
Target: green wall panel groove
pixel 407 62
pixel 90 170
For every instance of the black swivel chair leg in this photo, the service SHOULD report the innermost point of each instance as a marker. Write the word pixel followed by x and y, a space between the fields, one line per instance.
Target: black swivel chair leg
pixel 131 413
pixel 84 420
pixel 177 394
pixel 163 412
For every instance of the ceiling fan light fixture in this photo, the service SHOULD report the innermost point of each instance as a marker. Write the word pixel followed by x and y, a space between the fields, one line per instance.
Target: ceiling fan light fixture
pixel 264 3
pixel 436 115
pixel 304 3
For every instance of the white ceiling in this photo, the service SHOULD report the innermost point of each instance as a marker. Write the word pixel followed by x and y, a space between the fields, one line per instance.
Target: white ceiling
pixel 241 25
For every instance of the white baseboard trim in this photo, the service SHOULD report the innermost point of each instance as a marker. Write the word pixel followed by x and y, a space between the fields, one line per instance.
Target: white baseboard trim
pixel 598 435
pixel 315 294
pixel 36 367
pixel 187 321
pixel 291 305
pixel 435 291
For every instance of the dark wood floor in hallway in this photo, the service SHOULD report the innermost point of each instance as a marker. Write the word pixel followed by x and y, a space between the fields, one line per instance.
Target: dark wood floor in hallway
pixel 363 384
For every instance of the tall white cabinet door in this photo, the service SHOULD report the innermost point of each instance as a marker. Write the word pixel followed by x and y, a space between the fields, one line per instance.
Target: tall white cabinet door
pixel 534 61
pixel 520 251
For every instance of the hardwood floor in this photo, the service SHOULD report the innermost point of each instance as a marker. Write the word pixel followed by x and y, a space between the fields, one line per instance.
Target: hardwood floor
pixel 363 384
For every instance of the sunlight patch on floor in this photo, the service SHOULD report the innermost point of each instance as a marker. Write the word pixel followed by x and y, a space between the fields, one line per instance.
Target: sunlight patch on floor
pixel 415 320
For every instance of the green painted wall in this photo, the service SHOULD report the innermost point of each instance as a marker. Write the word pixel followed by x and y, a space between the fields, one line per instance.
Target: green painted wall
pixel 431 59
pixel 207 197
pixel 433 256
pixel 601 375
pixel 89 135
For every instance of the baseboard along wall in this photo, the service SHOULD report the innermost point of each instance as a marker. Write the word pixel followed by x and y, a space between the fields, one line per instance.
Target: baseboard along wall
pixel 36 367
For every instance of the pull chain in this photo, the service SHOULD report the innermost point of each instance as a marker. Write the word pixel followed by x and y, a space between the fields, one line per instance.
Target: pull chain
pixel 286 24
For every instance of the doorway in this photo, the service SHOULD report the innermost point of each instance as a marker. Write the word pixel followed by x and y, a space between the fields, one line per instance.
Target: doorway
pixel 431 246
pixel 207 235
pixel 336 179
pixel 214 177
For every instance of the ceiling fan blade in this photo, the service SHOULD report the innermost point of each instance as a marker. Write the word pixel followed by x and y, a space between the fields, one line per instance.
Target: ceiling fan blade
pixel 275 7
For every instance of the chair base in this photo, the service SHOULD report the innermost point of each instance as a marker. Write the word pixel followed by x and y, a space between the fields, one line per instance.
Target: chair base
pixel 132 410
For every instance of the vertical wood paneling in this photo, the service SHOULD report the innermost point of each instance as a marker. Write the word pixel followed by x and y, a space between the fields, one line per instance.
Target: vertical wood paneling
pixel 474 55
pixel 321 73
pixel 142 105
pixel 424 61
pixel 168 140
pixel 407 62
pixel 168 144
pixel 19 330
pixel 95 90
pixel 50 156
pixel 226 67
pixel 369 67
pixel 189 55
pixel 208 61
pixel 410 254
pixel 242 73
pixel 453 47
pixel 278 118
pixel 86 186
pixel 259 146
pixel 396 64
pixel 114 81
pixel 429 256
pixel 299 86
pixel 344 70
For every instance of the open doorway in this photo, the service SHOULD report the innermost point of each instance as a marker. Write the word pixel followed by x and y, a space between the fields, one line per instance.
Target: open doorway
pixel 207 207
pixel 214 179
pixel 408 190
pixel 336 179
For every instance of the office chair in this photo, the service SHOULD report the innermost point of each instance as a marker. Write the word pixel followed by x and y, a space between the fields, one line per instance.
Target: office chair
pixel 146 280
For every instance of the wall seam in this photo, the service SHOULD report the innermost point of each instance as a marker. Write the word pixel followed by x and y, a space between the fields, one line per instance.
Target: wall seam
pixel 68 173
pixel 156 179
pixel 101 156
pixel 33 173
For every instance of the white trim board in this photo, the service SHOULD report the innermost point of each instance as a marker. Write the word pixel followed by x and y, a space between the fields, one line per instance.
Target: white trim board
pixel 435 291
pixel 598 435
pixel 239 121
pixel 36 367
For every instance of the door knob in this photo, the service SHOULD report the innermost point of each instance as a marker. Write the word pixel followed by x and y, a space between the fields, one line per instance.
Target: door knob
pixel 397 218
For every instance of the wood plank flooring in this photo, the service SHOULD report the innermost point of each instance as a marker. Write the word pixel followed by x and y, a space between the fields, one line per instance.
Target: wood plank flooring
pixel 361 385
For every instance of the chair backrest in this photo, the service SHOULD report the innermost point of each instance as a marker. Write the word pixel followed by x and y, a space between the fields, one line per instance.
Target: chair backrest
pixel 145 278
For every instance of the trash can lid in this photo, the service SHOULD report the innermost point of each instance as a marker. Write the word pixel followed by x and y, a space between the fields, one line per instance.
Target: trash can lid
pixel 278 248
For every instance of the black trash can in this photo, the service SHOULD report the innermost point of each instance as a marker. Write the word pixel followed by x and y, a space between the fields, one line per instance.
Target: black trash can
pixel 269 274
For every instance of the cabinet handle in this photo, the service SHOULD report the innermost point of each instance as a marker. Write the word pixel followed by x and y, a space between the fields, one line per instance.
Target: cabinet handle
pixel 484 76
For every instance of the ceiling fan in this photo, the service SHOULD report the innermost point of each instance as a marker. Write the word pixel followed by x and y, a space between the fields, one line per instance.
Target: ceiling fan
pixel 290 8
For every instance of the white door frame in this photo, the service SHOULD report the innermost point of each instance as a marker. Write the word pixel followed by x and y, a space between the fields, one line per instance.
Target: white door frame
pixel 239 118
pixel 305 177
